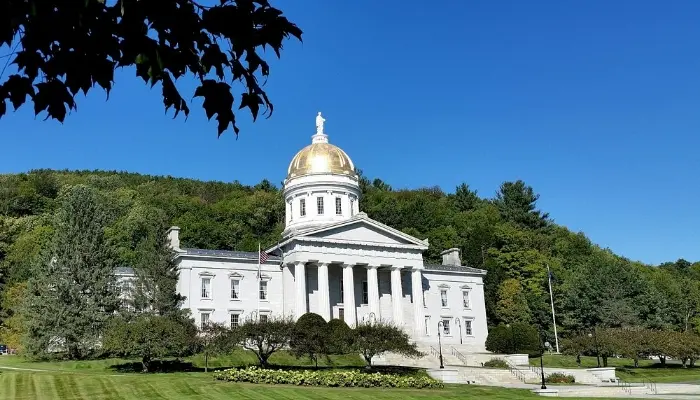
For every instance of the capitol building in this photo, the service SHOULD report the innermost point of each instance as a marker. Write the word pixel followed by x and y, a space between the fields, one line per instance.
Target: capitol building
pixel 335 261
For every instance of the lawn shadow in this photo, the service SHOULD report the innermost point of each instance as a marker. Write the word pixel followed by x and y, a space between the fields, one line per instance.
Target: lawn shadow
pixel 159 366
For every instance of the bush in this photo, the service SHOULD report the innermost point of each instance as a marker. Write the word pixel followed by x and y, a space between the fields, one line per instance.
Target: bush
pixel 558 377
pixel 496 363
pixel 310 337
pixel 516 338
pixel 339 337
pixel 330 378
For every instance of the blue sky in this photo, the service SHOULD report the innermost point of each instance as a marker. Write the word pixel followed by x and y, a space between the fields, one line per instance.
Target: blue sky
pixel 596 104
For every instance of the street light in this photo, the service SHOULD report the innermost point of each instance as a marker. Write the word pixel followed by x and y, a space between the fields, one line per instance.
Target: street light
pixel 459 325
pixel 440 344
pixel 595 340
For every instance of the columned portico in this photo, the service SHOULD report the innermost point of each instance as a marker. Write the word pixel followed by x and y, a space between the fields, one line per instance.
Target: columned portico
pixel 349 295
pixel 396 295
pixel 324 302
pixel 417 294
pixel 373 291
pixel 300 286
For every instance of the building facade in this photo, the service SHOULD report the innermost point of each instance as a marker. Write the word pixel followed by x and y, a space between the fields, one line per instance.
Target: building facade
pixel 335 261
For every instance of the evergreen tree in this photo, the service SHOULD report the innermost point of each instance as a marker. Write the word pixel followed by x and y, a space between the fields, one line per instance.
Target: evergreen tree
pixel 156 278
pixel 465 199
pixel 516 203
pixel 73 292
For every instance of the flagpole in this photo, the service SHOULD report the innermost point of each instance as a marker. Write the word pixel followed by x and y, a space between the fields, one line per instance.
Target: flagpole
pixel 257 313
pixel 551 301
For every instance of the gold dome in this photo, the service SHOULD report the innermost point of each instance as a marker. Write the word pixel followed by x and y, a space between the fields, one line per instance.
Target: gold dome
pixel 320 158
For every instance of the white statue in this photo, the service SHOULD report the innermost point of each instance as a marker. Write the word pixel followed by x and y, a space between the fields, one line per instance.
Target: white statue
pixel 319 124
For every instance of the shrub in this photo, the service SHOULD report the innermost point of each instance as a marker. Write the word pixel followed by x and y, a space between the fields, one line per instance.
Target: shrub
pixel 310 337
pixel 558 377
pixel 339 337
pixel 516 338
pixel 496 363
pixel 330 378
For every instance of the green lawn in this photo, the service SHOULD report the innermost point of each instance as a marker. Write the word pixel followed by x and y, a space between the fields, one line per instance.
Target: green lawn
pixel 97 380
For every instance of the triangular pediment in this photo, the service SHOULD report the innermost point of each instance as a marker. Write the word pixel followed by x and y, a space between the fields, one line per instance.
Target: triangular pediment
pixel 363 230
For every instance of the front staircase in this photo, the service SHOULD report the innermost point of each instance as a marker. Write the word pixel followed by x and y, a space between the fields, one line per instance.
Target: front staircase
pixel 466 366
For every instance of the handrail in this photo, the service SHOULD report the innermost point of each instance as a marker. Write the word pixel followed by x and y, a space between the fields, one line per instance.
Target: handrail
pixel 434 352
pixel 515 371
pixel 459 356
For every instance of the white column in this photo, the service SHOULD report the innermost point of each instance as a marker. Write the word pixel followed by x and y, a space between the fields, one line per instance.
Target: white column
pixel 349 295
pixel 418 312
pixel 324 300
pixel 373 291
pixel 396 295
pixel 300 285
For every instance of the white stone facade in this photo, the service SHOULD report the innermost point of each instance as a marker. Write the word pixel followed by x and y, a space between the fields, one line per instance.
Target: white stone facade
pixel 337 262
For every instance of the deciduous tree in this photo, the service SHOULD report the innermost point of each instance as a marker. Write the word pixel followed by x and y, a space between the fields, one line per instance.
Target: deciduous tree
pixel 161 40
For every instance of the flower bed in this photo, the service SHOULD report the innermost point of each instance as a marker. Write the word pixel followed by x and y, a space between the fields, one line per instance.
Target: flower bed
pixel 558 377
pixel 330 378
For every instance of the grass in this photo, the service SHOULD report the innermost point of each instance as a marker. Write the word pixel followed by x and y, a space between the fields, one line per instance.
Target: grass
pixel 647 370
pixel 97 380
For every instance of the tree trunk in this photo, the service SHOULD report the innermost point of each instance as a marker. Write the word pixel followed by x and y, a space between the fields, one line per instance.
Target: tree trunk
pixel 636 362
pixel 692 362
pixel 145 363
pixel 263 360
pixel 605 361
pixel 684 360
pixel 662 360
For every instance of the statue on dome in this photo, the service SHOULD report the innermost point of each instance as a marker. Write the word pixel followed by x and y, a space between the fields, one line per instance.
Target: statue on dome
pixel 319 124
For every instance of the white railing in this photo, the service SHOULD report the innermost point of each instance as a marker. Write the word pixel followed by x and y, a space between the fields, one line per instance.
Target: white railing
pixel 459 356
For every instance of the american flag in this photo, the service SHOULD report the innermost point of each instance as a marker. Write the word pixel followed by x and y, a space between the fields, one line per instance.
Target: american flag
pixel 263 256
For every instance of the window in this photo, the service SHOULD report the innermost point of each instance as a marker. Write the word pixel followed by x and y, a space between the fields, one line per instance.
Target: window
pixel 465 299
pixel 319 205
pixel 443 297
pixel 206 288
pixel 365 293
pixel 446 326
pixel 302 207
pixel 423 293
pixel 204 318
pixel 234 320
pixel 427 326
pixel 338 206
pixel 263 318
pixel 263 290
pixel 352 207
pixel 235 289
pixel 291 210
pixel 342 290
pixel 341 314
pixel 468 327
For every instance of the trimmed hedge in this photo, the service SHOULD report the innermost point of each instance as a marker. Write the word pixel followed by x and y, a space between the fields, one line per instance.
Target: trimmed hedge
pixel 558 377
pixel 330 378
pixel 496 363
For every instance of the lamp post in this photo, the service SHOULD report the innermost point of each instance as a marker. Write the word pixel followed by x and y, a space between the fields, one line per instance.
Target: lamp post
pixel 595 340
pixel 440 344
pixel 459 325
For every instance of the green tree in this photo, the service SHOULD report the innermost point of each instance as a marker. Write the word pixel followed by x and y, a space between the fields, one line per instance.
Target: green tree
pixel 513 339
pixel 213 339
pixel 517 203
pixel 465 199
pixel 163 41
pixel 149 337
pixel 372 339
pixel 13 326
pixel 340 337
pixel 73 292
pixel 512 305
pixel 264 337
pixel 310 337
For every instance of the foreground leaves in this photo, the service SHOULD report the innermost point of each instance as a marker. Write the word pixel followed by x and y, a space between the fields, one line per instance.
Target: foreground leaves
pixel 162 39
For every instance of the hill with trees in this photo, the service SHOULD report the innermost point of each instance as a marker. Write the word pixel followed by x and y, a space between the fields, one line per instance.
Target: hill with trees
pixel 507 235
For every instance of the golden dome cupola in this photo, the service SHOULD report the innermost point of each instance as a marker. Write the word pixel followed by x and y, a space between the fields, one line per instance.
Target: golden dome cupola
pixel 320 157
pixel 321 186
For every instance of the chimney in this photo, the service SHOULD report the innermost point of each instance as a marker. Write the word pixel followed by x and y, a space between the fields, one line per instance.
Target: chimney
pixel 451 257
pixel 174 237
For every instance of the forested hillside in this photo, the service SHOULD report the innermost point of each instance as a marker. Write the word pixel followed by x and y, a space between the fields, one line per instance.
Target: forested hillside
pixel 506 235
